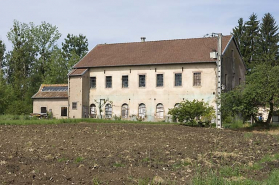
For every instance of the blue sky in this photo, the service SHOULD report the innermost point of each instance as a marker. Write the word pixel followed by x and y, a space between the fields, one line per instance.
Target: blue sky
pixel 116 21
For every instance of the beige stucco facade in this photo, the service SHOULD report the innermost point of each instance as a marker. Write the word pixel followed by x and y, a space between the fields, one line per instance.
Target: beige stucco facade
pixel 52 105
pixel 150 95
pixel 79 94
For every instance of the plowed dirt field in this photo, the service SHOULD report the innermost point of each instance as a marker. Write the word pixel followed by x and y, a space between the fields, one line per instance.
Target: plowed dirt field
pixel 127 153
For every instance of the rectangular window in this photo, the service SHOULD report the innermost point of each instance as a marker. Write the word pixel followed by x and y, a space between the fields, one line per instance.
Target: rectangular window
pixel 197 79
pixel 93 82
pixel 178 79
pixel 226 80
pixel 108 81
pixel 74 105
pixel 43 110
pixel 141 80
pixel 63 111
pixel 125 81
pixel 160 80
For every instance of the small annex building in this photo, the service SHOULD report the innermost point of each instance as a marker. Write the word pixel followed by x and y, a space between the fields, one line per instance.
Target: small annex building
pixel 51 98
pixel 143 80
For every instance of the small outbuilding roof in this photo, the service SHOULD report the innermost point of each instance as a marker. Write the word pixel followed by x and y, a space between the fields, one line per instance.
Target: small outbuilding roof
pixel 152 52
pixel 52 91
pixel 77 72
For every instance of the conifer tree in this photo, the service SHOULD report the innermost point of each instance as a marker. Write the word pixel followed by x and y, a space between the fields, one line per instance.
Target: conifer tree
pixel 251 37
pixel 268 42
pixel 238 33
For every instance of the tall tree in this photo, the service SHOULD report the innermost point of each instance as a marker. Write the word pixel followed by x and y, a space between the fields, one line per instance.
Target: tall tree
pixel 27 63
pixel 251 37
pixel 247 35
pixel 59 67
pixel 238 33
pixel 20 60
pixel 46 37
pixel 74 48
pixel 2 51
pixel 268 42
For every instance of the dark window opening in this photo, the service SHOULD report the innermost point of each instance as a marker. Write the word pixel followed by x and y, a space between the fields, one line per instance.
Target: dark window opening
pixel 74 105
pixel 92 82
pixel 178 79
pixel 141 80
pixel 160 80
pixel 43 110
pixel 108 81
pixel 125 81
pixel 63 111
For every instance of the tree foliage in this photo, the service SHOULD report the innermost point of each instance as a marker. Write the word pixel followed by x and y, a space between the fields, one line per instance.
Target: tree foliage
pixel 192 111
pixel 260 53
pixel 36 58
pixel 247 35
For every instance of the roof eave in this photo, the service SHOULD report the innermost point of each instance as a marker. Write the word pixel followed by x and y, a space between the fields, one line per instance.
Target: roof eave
pixel 49 97
pixel 126 65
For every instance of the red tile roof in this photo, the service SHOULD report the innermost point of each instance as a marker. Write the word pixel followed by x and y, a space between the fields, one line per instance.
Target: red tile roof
pixel 152 52
pixel 53 91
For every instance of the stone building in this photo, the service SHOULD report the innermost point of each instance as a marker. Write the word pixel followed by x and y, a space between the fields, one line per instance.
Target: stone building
pixel 143 80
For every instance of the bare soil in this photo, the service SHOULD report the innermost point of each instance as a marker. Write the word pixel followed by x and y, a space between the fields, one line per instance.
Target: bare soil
pixel 126 153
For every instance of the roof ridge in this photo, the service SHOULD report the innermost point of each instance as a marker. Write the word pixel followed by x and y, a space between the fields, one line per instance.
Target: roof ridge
pixel 159 40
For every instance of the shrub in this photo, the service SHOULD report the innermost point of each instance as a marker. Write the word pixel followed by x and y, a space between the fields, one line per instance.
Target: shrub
pixel 193 112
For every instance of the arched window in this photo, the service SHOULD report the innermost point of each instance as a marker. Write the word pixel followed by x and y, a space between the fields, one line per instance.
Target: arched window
pixel 108 110
pixel 142 110
pixel 93 111
pixel 124 110
pixel 177 105
pixel 160 110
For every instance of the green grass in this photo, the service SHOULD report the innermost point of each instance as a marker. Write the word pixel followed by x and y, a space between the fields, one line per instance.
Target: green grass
pixel 228 175
pixel 62 159
pixel 26 120
pixel 248 135
pixel 118 165
pixel 79 159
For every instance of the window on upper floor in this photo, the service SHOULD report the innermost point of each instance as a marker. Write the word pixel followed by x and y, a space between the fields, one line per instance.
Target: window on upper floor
pixel 178 79
pixel 93 82
pixel 125 81
pixel 141 80
pixel 197 79
pixel 108 81
pixel 160 80
pixel 74 105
